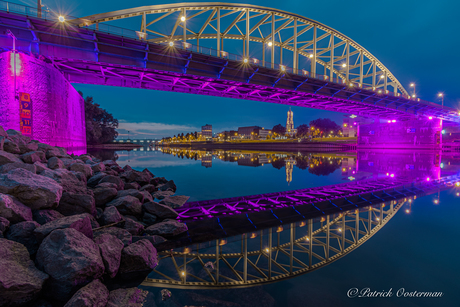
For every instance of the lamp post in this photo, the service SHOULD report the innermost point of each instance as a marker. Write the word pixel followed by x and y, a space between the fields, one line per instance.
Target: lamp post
pixel 413 85
pixel 10 34
pixel 442 99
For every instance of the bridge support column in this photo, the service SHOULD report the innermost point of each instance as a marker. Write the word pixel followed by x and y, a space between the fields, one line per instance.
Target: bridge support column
pixel 421 133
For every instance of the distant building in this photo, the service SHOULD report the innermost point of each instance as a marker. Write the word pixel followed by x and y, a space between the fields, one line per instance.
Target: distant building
pixel 206 131
pixel 253 133
pixel 351 122
pixel 290 124
pixel 206 160
pixel 228 135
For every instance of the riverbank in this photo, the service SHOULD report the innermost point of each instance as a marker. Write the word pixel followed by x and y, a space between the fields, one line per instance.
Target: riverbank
pixel 76 230
pixel 117 146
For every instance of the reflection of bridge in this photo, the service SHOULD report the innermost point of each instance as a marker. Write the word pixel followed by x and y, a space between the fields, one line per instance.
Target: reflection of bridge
pixel 329 70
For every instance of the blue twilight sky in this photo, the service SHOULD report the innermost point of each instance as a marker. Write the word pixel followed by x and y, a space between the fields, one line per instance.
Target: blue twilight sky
pixel 418 40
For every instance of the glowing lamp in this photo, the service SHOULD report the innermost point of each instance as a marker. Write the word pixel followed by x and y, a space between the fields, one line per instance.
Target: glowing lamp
pixel 427 178
pixel 182 18
pixel 253 235
pixel 407 211
pixel 443 131
pixel 279 229
pixel 302 224
pixel 389 121
pixel 245 60
pixel 270 44
pixel 392 175
pixel 171 44
pixel 311 55
pixel 340 229
pixel 344 65
pixel 380 91
pixel 382 76
pixel 222 242
pixel 187 250
pixel 393 121
pixel 282 68
pixel 255 61
pixel 61 18
pixel 430 117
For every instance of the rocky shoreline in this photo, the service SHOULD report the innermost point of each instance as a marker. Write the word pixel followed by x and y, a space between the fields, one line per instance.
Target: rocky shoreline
pixel 76 231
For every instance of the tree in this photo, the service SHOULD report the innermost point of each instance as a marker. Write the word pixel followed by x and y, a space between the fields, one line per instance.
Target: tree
pixel 279 129
pixel 100 124
pixel 325 125
pixel 303 130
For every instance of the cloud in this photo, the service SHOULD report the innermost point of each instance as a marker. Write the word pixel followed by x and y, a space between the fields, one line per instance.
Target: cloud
pixel 151 130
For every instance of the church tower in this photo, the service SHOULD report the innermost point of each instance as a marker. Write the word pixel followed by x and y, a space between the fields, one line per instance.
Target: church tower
pixel 290 123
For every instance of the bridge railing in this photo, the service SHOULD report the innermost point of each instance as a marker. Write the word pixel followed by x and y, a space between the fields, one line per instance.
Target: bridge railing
pixel 114 30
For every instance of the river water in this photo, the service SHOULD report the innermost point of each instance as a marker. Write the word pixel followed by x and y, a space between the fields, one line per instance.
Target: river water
pixel 416 250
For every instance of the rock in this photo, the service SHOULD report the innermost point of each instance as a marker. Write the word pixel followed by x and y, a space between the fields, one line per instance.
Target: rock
pixel 170 185
pixel 23 233
pixel 37 192
pixel 5 168
pixel 55 163
pixel 135 176
pixel 45 216
pixel 149 173
pixel 149 219
pixel 159 210
pixel 25 148
pixel 94 223
pixel 175 201
pixel 80 176
pixel 44 147
pixel 113 179
pixel 13 132
pixel 153 239
pixel 93 181
pixel 80 222
pixel 20 281
pixel 147 196
pixel 149 188
pixel 135 193
pixel 99 212
pixel 132 185
pixel 110 163
pixel 2 142
pixel 127 205
pixel 72 204
pixel 83 168
pixel 132 297
pixel 121 234
pixel 40 167
pixel 162 194
pixel 168 228
pixel 98 167
pixel 104 195
pixel 94 294
pixel 107 185
pixel 110 216
pixel 138 257
pixel 13 210
pixel 6 157
pixel 3 132
pixel 71 259
pixel 11 146
pixel 110 248
pixel 4 223
pixel 133 227
pixel 85 158
pixel 33 156
pixel 67 180
pixel 117 169
pixel 155 181
pixel 58 152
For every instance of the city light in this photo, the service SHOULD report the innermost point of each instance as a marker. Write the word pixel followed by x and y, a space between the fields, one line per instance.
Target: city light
pixel 382 76
pixel 283 68
pixel 443 131
pixel 344 65
pixel 61 18
pixel 182 18
pixel 270 44
pixel 393 121
pixel 440 94
pixel 311 55
pixel 245 60
pixel 412 84
pixel 171 44
pixel 430 117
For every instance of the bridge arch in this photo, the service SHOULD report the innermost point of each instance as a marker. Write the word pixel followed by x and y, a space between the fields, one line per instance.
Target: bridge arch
pixel 289 39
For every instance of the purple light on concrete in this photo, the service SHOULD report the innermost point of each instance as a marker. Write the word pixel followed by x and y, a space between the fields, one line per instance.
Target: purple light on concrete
pixel 392 175
pixel 57 108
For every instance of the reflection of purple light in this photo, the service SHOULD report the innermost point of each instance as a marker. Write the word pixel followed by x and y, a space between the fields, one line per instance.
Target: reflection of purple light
pixel 427 178
pixel 389 121
pixel 393 121
pixel 353 172
pixel 431 117
pixel 392 175
pixel 354 123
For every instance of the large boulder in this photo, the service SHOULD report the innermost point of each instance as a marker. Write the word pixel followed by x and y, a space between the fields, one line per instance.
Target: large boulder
pixel 80 222
pixel 13 210
pixel 175 201
pixel 23 233
pixel 162 194
pixel 167 228
pixel 3 132
pixel 94 180
pixel 4 223
pixel 20 280
pixel 6 157
pixel 114 179
pixel 132 192
pixel 11 146
pixel 121 234
pixel 55 152
pixel 133 227
pixel 71 204
pixel 149 188
pixel 132 297
pixel 103 195
pixel 71 259
pixel 147 196
pixel 127 205
pixel 33 156
pixel 40 167
pixel 29 147
pixel 170 185
pixel 45 216
pixel 37 192
pixel 55 163
pixel 82 168
pixel 132 185
pixel 67 180
pixel 139 257
pixel 94 294
pixel 135 176
pixel 149 219
pixel 5 168
pixel 110 247
pixel 98 167
pixel 110 216
pixel 159 210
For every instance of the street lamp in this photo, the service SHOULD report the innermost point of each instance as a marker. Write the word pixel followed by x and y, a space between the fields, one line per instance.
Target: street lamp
pixel 413 85
pixel 10 34
pixel 442 98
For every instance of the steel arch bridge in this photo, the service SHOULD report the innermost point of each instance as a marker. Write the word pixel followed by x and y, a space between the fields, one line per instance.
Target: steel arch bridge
pixel 293 40
pixel 284 58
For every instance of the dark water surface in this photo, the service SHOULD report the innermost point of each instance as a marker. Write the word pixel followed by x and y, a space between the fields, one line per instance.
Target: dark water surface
pixel 416 250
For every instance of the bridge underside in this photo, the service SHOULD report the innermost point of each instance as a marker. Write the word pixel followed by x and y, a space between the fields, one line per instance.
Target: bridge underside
pixel 88 56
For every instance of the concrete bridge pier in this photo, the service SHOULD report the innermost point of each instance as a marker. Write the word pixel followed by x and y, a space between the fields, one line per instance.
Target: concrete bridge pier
pixel 422 133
